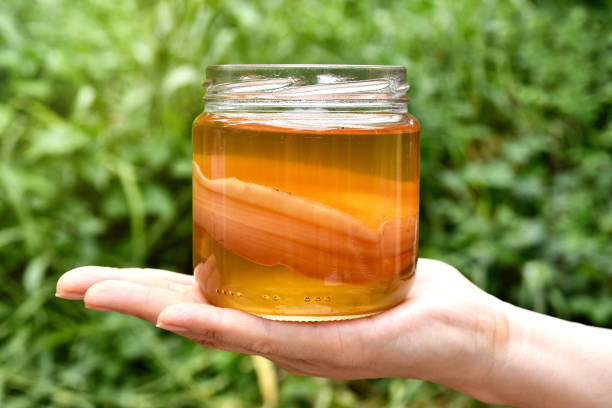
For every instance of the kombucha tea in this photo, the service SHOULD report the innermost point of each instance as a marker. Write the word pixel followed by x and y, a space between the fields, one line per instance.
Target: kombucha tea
pixel 305 220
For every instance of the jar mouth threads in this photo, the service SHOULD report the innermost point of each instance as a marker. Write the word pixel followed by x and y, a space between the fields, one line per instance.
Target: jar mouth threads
pixel 277 88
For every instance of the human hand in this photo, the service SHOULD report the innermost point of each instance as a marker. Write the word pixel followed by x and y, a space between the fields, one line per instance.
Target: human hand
pixel 447 330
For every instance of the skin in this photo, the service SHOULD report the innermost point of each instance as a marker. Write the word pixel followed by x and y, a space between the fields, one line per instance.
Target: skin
pixel 447 331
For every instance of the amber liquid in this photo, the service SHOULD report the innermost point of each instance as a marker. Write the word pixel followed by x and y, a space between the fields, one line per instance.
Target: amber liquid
pixel 293 220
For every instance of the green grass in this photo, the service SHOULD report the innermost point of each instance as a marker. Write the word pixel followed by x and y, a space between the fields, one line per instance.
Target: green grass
pixel 96 104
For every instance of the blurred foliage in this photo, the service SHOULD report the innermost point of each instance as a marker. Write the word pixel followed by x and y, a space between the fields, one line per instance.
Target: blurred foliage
pixel 96 102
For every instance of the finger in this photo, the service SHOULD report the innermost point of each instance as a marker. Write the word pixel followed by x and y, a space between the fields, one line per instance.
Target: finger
pixel 74 283
pixel 142 301
pixel 233 330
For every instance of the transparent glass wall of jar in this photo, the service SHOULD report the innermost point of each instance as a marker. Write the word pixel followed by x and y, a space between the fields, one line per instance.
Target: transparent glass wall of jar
pixel 305 190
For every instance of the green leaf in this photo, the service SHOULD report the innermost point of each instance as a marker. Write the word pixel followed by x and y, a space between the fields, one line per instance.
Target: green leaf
pixel 34 273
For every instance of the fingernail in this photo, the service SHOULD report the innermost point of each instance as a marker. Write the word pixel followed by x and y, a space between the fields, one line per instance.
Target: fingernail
pixel 69 295
pixel 172 328
pixel 98 308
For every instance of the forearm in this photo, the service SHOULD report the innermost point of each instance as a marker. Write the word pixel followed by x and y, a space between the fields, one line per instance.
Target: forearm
pixel 550 362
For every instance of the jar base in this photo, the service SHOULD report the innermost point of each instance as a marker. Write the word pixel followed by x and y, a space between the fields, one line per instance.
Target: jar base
pixel 283 318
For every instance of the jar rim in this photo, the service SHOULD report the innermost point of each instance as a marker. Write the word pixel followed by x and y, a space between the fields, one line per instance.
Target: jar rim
pixel 232 71
pixel 306 86
pixel 338 66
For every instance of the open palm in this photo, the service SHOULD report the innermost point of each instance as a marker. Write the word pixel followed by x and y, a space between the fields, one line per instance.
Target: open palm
pixel 447 328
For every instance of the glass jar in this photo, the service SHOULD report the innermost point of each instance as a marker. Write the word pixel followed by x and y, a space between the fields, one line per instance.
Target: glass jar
pixel 305 190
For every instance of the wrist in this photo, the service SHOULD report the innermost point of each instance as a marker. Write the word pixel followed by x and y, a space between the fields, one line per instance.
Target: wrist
pixel 504 382
pixel 543 361
pixel 497 345
pixel 484 341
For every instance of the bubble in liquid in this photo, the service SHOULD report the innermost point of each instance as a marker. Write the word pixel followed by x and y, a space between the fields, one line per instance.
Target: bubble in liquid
pixel 218 291
pixel 328 298
pixel 266 297
pixel 276 297
pixel 229 292
pixel 307 299
pixel 318 298
pixel 239 294
pixel 224 291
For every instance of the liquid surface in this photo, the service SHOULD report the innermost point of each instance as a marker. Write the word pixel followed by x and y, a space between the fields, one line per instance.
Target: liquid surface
pixel 304 220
